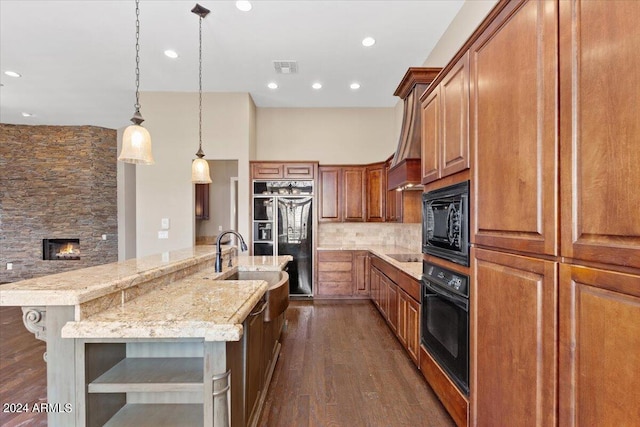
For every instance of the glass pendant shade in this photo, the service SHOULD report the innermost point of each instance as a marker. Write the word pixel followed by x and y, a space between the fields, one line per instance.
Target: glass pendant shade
pixel 136 146
pixel 200 172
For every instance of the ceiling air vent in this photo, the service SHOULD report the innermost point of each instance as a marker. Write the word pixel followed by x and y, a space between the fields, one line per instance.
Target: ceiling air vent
pixel 285 67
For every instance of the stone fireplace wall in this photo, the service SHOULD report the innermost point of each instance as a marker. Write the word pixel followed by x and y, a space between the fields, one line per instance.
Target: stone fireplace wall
pixel 56 182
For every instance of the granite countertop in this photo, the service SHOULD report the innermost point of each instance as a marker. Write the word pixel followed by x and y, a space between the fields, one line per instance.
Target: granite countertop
pixel 413 269
pixel 203 305
pixel 78 286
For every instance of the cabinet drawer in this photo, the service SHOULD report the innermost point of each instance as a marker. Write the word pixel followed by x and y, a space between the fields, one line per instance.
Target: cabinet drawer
pixel 341 256
pixel 410 285
pixel 335 266
pixel 329 288
pixel 390 271
pixel 267 170
pixel 335 276
pixel 298 171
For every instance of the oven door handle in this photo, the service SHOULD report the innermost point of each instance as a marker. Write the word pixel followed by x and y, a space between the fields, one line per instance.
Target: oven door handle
pixel 461 302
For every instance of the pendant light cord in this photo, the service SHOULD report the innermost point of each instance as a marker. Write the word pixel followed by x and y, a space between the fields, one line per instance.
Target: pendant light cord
pixel 137 104
pixel 200 88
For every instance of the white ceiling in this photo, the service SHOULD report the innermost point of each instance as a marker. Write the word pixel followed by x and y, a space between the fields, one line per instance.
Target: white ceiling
pixel 77 58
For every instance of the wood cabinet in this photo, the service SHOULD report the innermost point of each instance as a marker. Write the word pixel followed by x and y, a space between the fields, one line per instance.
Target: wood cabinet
pixel 361 273
pixel 513 121
pixel 330 194
pixel 354 194
pixel 600 131
pixel 409 324
pixel 342 274
pixel 342 193
pixel 599 342
pixel 445 130
pixel 283 170
pixel 376 192
pixel 202 201
pixel 397 296
pixel 513 337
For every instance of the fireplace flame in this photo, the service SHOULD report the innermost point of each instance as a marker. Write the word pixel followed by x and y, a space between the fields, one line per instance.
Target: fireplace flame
pixel 67 249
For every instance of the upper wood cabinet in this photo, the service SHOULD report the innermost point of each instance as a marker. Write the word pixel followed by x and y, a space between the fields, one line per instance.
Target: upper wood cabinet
pixel 342 193
pixel 445 125
pixel 330 193
pixel 513 122
pixel 598 353
pixel 283 170
pixel 354 193
pixel 376 192
pixel 600 131
pixel 513 340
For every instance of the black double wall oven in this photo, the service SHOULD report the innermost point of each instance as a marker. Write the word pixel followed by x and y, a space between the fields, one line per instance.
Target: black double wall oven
pixel 445 293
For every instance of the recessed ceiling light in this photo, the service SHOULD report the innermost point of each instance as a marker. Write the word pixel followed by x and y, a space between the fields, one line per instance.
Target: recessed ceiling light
pixel 12 74
pixel 24 114
pixel 354 86
pixel 368 41
pixel 273 85
pixel 316 86
pixel 171 53
pixel 244 6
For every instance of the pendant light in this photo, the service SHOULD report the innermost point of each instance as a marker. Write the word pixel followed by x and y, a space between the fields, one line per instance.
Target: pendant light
pixel 200 167
pixel 136 141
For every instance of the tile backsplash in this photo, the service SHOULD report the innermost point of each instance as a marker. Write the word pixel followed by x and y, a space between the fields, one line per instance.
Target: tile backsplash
pixel 370 233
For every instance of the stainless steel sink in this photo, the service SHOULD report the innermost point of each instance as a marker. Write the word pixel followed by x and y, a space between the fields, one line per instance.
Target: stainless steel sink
pixel 406 257
pixel 277 295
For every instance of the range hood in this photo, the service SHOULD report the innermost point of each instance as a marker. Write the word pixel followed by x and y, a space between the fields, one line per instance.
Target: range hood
pixel 405 170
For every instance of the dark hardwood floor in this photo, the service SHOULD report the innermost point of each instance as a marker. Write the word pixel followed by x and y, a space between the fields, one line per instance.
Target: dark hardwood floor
pixel 340 365
pixel 23 372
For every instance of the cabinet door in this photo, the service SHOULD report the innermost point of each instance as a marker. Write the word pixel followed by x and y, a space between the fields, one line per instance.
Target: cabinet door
pixel 354 196
pixel 376 193
pixel 401 331
pixel 412 322
pixel 514 130
pixel 202 201
pixel 600 131
pixel 361 272
pixel 513 329
pixel 330 193
pixel 298 170
pixel 599 347
pixel 392 304
pixel 267 170
pixel 431 137
pixel 454 143
pixel 374 280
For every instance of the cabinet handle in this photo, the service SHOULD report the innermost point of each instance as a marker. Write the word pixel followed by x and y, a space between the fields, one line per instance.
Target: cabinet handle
pixel 262 309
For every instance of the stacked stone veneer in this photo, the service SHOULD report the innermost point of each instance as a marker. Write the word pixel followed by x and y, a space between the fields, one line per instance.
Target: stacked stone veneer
pixel 371 233
pixel 56 182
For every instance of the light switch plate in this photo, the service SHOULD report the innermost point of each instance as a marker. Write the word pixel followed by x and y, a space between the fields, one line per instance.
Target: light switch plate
pixel 164 223
pixel 9 266
pixel 163 234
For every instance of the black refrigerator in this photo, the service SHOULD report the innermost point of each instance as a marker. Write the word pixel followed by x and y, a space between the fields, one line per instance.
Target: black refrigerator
pixel 283 225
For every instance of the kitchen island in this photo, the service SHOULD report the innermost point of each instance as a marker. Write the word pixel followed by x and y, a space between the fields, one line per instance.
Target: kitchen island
pixel 150 341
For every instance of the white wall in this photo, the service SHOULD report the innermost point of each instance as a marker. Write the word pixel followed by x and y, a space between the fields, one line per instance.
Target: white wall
pixel 329 135
pixel 471 14
pixel 164 190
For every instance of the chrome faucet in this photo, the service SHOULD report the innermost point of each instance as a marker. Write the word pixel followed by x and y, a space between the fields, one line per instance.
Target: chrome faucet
pixel 243 247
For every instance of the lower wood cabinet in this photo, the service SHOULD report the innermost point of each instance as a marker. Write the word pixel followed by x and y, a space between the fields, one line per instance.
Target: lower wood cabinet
pixel 409 324
pixel 342 274
pixel 397 296
pixel 513 340
pixel 599 341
